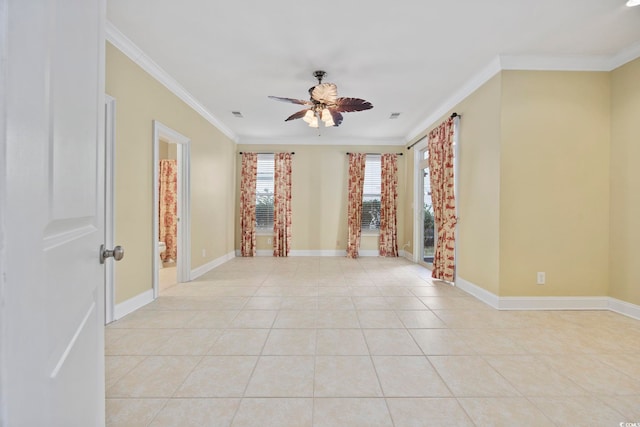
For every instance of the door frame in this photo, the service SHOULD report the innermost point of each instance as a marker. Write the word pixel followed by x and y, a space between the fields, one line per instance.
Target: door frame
pixel 418 201
pixel 110 204
pixel 183 263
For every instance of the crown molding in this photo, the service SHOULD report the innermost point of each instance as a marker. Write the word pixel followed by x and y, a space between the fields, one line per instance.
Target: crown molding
pixel 526 62
pixel 626 55
pixel 126 46
pixel 555 62
pixel 458 96
pixel 320 140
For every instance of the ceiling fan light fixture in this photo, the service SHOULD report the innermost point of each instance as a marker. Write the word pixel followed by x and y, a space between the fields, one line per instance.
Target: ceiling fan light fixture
pixel 324 104
pixel 631 3
pixel 309 117
pixel 327 118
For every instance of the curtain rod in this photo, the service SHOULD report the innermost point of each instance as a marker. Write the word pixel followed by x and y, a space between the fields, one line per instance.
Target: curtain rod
pixel 375 154
pixel 453 116
pixel 263 153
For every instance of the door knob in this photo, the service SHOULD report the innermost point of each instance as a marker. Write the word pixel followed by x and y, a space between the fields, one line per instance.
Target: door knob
pixel 117 253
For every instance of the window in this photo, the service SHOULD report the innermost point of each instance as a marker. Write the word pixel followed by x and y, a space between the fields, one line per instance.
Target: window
pixel 264 193
pixel 371 194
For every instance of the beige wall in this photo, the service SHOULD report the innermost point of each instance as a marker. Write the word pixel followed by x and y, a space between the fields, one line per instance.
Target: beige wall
pixel 140 99
pixel 167 150
pixel 625 182
pixel 554 180
pixel 479 186
pixel 534 183
pixel 478 250
pixel 319 196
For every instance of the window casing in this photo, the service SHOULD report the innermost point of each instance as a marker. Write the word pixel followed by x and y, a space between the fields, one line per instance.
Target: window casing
pixel 264 194
pixel 371 195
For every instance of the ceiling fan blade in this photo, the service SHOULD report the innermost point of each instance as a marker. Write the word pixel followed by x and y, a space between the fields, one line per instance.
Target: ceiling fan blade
pixel 346 105
pixel 291 100
pixel 336 116
pixel 325 93
pixel 300 114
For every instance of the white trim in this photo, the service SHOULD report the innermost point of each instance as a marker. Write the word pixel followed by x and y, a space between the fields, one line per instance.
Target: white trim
pixel 550 303
pixel 474 290
pixel 408 255
pixel 205 268
pixel 527 62
pixel 183 267
pixel 133 304
pixel 319 253
pixel 555 62
pixel 624 308
pixel 126 46
pixel 554 303
pixel 110 204
pixel 458 96
pixel 324 252
pixel 319 140
pixel 417 198
pixel 626 55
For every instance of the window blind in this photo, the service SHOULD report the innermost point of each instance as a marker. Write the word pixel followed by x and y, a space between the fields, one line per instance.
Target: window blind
pixel 371 193
pixel 264 193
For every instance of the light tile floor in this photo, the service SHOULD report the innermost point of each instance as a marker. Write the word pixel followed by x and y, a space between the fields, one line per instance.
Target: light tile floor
pixel 367 342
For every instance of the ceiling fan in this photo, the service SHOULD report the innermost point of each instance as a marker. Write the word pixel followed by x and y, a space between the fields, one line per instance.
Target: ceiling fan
pixel 324 104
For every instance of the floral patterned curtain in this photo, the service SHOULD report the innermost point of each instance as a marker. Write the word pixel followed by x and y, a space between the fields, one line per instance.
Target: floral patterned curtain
pixel 168 207
pixel 282 204
pixel 248 177
pixel 357 162
pixel 388 206
pixel 440 150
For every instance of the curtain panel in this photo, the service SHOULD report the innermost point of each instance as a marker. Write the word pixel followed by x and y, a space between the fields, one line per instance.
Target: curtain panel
pixel 357 162
pixel 248 178
pixel 388 243
pixel 282 205
pixel 440 148
pixel 168 208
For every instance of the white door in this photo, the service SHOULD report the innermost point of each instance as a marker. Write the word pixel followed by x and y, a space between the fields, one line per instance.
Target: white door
pixel 52 337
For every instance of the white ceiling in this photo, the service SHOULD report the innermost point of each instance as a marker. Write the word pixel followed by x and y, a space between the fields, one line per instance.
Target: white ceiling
pixel 407 56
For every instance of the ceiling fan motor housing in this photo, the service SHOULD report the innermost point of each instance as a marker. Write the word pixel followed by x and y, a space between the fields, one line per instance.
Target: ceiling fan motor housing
pixel 319 74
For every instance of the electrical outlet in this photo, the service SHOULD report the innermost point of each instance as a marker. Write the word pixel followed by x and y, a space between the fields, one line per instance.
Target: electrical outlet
pixel 204 253
pixel 541 278
pixel 269 240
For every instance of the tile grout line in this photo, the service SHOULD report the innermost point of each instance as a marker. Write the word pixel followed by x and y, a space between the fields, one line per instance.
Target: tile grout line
pixel 384 397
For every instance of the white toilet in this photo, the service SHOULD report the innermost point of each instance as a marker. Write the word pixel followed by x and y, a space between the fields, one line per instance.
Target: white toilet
pixel 161 248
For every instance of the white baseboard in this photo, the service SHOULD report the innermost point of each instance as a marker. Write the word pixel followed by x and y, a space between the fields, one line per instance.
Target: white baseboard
pixel 327 253
pixel 624 307
pixel 482 294
pixel 132 304
pixel 205 268
pixel 549 303
pixel 259 252
pixel 320 252
pixel 408 255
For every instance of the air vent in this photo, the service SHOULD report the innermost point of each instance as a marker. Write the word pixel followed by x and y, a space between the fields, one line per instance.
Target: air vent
pixel 237 114
pixel 394 116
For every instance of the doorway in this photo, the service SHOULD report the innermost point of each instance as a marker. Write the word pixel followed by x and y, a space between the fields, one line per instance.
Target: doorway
pixel 425 230
pixel 171 241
